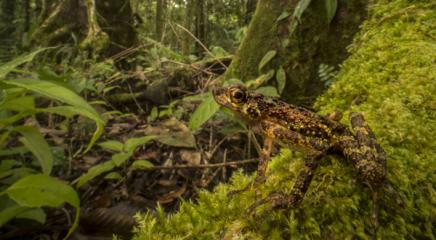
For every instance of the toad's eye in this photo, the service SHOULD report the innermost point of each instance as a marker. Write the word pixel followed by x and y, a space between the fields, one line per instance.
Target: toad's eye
pixel 238 96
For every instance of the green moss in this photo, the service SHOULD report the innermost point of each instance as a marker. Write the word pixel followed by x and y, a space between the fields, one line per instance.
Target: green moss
pixel 390 78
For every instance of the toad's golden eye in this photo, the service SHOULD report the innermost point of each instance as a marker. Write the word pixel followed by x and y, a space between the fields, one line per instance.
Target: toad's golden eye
pixel 238 95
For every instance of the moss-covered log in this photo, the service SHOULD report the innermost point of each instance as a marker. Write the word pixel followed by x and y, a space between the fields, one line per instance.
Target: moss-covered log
pixel 390 78
pixel 314 41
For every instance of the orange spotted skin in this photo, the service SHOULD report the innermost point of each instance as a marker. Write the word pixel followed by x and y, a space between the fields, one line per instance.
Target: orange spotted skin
pixel 308 132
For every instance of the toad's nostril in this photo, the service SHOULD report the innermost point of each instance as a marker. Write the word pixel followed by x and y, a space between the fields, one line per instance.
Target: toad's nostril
pixel 217 91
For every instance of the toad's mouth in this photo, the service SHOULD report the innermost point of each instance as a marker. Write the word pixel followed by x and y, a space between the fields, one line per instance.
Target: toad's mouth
pixel 220 96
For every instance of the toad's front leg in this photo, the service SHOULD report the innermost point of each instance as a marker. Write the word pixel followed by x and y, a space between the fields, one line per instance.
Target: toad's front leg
pixel 301 185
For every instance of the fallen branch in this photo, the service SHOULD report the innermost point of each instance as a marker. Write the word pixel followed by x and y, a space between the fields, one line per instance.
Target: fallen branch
pixel 212 165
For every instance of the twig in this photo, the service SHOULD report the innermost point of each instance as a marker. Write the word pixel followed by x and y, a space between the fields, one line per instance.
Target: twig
pixel 212 165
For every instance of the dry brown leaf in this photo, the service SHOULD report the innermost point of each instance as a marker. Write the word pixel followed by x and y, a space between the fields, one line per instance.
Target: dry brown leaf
pixel 191 157
pixel 173 195
pixel 172 132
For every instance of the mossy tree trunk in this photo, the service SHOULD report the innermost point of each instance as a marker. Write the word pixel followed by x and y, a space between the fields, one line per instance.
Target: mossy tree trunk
pixel 300 51
pixel 100 26
pixel 389 77
pixel 250 7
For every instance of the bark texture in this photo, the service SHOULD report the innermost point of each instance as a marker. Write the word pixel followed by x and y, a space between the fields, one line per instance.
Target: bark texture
pixel 300 52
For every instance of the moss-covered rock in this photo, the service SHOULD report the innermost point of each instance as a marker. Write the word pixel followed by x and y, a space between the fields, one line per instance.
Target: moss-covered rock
pixel 390 78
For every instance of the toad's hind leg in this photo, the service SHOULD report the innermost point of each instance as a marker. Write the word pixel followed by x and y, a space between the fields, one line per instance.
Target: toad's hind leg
pixel 293 199
pixel 372 162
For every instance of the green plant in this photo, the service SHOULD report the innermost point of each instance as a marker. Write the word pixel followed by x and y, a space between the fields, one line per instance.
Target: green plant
pixel 398 103
pixel 23 189
pixel 123 153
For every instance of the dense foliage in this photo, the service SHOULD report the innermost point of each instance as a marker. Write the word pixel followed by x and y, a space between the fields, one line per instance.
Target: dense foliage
pixel 390 78
pixel 106 111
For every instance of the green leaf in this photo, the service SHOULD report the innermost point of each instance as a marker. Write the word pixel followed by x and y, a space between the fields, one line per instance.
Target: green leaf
pixel 36 214
pixel 281 79
pixel 268 91
pixel 141 164
pixel 35 142
pixel 113 176
pixel 44 191
pixel 112 145
pixel 94 172
pixel 10 212
pixel 268 56
pixel 120 158
pixel 9 66
pixel 13 151
pixel 300 8
pixel 330 6
pixel 57 92
pixel 6 165
pixel 133 143
pixel 282 16
pixel 153 114
pixel 203 112
pixel 19 104
pixel 253 84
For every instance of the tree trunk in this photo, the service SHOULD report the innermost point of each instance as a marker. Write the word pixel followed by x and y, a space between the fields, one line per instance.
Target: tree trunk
pixel 187 21
pixel 160 18
pixel 61 22
pixel 301 46
pixel 7 29
pixel 101 26
pixel 116 19
pixel 96 40
pixel 7 18
pixel 26 10
pixel 250 7
pixel 200 25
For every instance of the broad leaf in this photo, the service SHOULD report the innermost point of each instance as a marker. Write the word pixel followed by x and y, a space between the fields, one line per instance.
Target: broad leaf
pixel 44 191
pixel 95 171
pixel 9 66
pixel 267 58
pixel 112 145
pixel 141 164
pixel 282 16
pixel 35 142
pixel 120 158
pixel 268 91
pixel 113 176
pixel 36 214
pixel 281 79
pixel 24 103
pixel 65 95
pixel 133 143
pixel 10 212
pixel 13 151
pixel 253 84
pixel 300 8
pixel 330 6
pixel 203 112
